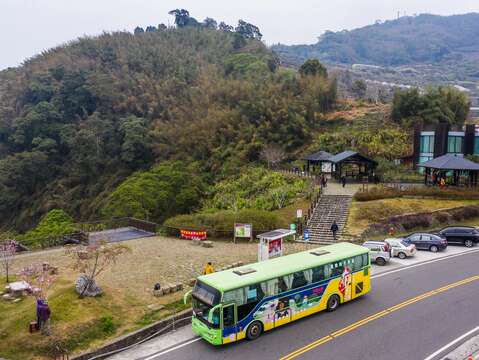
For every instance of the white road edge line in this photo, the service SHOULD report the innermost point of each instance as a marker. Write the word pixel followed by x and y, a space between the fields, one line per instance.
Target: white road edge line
pixel 172 349
pixel 452 343
pixel 406 267
pixel 154 356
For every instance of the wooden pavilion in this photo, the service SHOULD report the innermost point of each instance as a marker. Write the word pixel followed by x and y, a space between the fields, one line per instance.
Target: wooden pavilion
pixel 454 169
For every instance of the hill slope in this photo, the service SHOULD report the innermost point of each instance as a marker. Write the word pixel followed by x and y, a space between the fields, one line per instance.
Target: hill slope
pixel 407 40
pixel 77 120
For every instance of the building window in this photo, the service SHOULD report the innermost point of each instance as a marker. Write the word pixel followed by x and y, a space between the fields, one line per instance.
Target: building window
pixel 427 144
pixel 424 159
pixel 454 144
pixel 476 145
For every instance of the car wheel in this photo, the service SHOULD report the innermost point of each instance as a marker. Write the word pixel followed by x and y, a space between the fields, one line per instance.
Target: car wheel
pixel 333 302
pixel 254 330
pixel 402 255
pixel 434 248
pixel 469 243
pixel 380 261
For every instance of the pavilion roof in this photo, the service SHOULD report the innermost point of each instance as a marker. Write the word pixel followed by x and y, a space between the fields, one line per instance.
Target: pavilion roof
pixel 450 162
pixel 349 154
pixel 319 156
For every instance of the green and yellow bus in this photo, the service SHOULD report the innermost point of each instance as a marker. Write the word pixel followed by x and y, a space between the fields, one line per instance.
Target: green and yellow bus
pixel 243 302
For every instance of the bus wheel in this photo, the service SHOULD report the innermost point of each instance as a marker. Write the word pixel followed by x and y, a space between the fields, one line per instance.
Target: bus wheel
pixel 333 302
pixel 254 330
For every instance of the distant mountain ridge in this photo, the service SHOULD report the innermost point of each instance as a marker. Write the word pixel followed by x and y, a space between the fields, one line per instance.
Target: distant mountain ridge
pixel 408 40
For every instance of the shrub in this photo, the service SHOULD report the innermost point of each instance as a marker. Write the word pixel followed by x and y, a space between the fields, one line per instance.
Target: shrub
pixel 256 188
pixel 165 190
pixel 222 222
pixel 55 223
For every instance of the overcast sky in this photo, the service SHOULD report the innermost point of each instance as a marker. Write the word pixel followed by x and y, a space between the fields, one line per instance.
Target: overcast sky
pixel 29 26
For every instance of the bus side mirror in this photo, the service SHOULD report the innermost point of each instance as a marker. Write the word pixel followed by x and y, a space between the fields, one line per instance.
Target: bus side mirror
pixel 210 315
pixel 187 297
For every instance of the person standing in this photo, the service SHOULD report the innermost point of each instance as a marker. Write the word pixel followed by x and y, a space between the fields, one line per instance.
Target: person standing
pixel 208 268
pixel 45 319
pixel 334 229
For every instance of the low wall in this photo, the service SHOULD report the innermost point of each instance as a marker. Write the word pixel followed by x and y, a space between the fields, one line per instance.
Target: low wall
pixel 411 221
pixel 159 328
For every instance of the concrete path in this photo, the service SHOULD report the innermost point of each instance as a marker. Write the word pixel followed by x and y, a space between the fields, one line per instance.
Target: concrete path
pixel 334 188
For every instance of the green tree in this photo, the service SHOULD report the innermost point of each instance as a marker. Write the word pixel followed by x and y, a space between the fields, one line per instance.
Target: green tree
pixel 248 31
pixel 165 190
pixel 210 23
pixel 313 67
pixel 359 88
pixel 136 144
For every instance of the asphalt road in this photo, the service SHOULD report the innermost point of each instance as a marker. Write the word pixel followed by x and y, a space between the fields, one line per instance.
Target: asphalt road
pixel 411 332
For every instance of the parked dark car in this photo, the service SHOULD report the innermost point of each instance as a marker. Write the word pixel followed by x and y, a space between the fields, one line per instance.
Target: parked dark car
pixel 424 241
pixel 463 235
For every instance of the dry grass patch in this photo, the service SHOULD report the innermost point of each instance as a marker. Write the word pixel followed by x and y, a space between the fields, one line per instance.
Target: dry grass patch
pixel 364 213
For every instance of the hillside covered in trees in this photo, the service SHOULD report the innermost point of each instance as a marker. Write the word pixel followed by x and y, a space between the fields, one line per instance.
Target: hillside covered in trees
pixel 146 123
pixel 408 40
pixel 77 120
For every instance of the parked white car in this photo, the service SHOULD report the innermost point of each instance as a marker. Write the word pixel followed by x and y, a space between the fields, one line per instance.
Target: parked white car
pixel 400 248
pixel 379 252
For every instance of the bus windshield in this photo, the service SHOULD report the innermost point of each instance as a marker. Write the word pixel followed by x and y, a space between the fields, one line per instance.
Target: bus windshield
pixel 204 298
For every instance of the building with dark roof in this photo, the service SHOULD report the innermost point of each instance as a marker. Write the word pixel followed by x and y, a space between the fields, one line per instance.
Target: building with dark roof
pixel 347 163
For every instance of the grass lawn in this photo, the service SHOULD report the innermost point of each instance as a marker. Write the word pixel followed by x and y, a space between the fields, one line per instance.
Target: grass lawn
pixel 368 212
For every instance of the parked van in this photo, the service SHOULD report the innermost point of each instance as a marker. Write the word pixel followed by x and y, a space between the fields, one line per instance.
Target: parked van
pixel 380 252
pixel 401 248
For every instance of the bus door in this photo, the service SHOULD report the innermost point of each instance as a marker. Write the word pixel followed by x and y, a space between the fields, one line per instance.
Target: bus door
pixel 229 319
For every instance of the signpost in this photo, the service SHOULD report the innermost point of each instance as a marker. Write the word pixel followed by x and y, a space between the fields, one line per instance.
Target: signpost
pixel 299 213
pixel 243 231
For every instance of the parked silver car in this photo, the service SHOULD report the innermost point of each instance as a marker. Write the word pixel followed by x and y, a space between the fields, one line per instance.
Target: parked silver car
pixel 379 252
pixel 401 248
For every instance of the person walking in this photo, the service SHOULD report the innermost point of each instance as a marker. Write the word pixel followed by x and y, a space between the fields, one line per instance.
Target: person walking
pixel 343 180
pixel 208 269
pixel 334 229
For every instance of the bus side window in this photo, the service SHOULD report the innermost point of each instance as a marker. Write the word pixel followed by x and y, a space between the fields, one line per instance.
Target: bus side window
pixel 255 293
pixel 365 260
pixel 358 263
pixel 318 274
pixel 299 280
pixel 270 287
pixel 338 269
pixel 327 270
pixel 282 285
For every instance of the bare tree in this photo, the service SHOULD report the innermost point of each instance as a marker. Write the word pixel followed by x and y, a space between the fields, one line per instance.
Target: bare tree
pixel 7 255
pixel 273 155
pixel 41 278
pixel 92 260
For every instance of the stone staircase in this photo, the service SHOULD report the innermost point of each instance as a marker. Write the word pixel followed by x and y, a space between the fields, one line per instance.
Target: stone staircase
pixel 329 208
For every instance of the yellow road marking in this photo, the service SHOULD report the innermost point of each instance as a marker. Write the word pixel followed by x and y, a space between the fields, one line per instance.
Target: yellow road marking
pixel 376 316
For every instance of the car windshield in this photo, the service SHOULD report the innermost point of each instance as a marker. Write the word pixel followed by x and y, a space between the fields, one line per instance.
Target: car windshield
pixel 204 298
pixel 404 243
